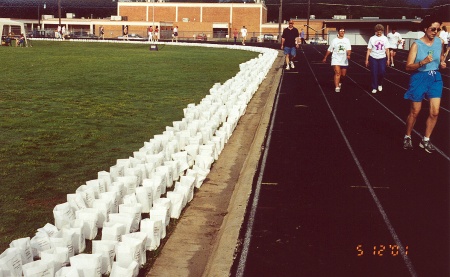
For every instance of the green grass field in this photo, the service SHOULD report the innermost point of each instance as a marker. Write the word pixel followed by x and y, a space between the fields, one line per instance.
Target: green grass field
pixel 69 110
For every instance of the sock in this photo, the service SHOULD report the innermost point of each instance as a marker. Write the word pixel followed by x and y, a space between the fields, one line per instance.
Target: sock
pixel 406 136
pixel 426 139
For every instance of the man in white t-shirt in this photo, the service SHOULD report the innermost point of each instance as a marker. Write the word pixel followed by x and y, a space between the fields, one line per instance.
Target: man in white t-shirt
pixel 243 34
pixel 394 39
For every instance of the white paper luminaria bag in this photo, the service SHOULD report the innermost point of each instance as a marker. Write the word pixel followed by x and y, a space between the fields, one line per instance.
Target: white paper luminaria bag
pixel 130 270
pixel 63 214
pixel 11 262
pixel 107 249
pixel 57 257
pixel 87 264
pixel 38 269
pixel 78 239
pixel 67 272
pixel 113 231
pixel 24 246
pixel 90 218
pixel 141 239
pixel 152 227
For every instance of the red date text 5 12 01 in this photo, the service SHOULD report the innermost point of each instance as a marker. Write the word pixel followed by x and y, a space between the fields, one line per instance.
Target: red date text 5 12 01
pixel 379 250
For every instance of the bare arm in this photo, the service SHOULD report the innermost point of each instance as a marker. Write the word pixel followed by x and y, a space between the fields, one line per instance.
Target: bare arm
pixel 326 56
pixel 410 64
pixel 367 56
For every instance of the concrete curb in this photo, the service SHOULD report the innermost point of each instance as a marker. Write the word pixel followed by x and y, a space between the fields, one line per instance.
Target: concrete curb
pixel 223 252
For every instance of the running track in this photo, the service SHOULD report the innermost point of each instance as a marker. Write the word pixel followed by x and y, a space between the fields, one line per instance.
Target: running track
pixel 336 194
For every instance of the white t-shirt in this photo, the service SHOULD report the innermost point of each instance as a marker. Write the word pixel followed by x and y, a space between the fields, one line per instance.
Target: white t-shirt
pixel 393 39
pixel 444 35
pixel 244 32
pixel 339 48
pixel 378 46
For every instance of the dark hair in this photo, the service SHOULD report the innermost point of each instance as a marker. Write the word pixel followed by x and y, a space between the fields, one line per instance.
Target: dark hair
pixel 428 20
pixel 340 27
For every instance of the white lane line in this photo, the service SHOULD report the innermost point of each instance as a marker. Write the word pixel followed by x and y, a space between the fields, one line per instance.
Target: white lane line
pixel 369 186
pixel 251 219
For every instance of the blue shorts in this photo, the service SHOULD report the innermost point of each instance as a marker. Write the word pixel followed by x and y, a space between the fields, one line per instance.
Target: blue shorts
pixel 290 50
pixel 424 84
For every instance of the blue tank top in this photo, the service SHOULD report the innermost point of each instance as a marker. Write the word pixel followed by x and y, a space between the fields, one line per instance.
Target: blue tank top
pixel 424 50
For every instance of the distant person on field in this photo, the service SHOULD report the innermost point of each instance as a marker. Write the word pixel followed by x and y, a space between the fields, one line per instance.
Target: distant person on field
pixel 235 35
pixel 175 33
pixel 289 43
pixel 302 37
pixel 150 33
pixel 425 56
pixel 243 34
pixel 156 34
pixel 20 41
pixel 341 50
pixel 395 39
pixel 63 32
pixel 377 57
pixel 125 32
pixel 8 39
pixel 102 32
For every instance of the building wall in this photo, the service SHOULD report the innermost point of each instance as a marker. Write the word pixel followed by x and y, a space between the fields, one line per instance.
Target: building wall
pixel 219 14
pixel 191 13
pixel 164 14
pixel 200 16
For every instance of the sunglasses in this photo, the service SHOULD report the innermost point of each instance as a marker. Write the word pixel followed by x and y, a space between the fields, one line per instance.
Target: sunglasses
pixel 434 29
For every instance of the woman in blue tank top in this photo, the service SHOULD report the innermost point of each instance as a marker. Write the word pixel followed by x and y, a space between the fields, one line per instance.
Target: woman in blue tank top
pixel 425 56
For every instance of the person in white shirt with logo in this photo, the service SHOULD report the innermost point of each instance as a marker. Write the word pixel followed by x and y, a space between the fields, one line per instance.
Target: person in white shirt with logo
pixel 377 57
pixel 341 49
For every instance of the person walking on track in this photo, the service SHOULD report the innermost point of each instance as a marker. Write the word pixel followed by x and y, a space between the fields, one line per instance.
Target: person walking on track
pixel 424 58
pixel 341 48
pixel 289 43
pixel 377 57
pixel 395 39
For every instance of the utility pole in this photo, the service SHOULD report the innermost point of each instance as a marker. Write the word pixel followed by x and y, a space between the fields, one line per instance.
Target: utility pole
pixel 280 17
pixel 59 11
pixel 307 19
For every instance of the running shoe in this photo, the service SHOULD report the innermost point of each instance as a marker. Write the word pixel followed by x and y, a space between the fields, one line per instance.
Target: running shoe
pixel 374 91
pixel 287 67
pixel 380 88
pixel 338 89
pixel 292 64
pixel 429 148
pixel 407 144
pixel 392 64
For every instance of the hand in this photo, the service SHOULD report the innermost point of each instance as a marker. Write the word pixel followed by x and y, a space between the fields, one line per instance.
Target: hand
pixel 367 63
pixel 282 47
pixel 428 59
pixel 443 64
